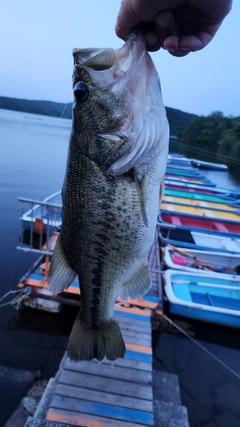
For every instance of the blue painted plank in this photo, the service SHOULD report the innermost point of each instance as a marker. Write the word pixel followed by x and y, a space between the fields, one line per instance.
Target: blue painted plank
pixel 100 409
pixel 131 315
pixel 142 357
pixel 75 284
pixel 150 298
pixel 36 276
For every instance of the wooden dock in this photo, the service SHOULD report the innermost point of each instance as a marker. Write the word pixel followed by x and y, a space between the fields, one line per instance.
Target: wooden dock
pixel 109 394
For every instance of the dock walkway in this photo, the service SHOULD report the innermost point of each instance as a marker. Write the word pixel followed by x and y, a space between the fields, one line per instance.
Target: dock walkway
pixel 108 394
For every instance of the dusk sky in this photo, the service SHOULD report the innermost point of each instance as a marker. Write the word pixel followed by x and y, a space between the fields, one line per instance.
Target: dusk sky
pixel 37 39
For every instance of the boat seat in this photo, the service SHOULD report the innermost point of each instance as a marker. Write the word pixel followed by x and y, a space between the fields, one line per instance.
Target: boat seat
pixel 221 227
pixel 176 220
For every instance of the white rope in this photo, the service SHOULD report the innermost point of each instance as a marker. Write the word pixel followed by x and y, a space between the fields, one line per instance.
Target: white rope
pixel 18 299
pixel 201 346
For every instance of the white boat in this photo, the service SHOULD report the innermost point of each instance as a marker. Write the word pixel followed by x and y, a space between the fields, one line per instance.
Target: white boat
pixel 188 238
pixel 208 165
pixel 193 260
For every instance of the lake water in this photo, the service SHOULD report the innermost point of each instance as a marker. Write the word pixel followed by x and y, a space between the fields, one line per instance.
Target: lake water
pixel 32 165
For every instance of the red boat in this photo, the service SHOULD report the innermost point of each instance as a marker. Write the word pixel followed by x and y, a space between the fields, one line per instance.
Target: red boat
pixel 202 223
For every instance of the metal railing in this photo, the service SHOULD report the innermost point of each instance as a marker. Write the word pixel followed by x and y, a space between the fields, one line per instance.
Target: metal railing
pixel 39 221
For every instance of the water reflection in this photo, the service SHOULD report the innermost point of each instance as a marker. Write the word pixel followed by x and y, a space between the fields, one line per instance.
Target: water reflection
pixel 225 179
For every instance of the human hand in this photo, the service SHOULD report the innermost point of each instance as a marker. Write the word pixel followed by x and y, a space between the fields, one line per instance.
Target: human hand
pixel 180 26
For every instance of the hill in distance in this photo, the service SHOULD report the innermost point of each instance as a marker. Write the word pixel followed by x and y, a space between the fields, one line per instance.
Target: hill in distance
pixel 178 120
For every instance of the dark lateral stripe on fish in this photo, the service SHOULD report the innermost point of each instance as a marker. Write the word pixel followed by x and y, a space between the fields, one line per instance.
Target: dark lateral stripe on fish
pixel 96 281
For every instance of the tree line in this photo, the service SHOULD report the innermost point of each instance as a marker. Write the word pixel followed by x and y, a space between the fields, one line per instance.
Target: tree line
pixel 214 133
pixel 178 119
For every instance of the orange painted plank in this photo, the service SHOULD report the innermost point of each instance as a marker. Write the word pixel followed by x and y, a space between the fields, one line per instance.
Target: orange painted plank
pixel 139 348
pixel 84 420
pixel 139 302
pixel 36 283
pixel 133 310
pixel 73 290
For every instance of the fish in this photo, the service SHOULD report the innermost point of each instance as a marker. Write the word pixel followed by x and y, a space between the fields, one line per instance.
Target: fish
pixel 115 169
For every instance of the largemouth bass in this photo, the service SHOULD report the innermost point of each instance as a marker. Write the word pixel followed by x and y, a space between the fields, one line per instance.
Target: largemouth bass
pixel 116 164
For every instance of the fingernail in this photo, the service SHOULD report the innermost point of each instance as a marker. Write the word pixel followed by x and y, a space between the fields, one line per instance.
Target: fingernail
pixel 151 39
pixel 171 49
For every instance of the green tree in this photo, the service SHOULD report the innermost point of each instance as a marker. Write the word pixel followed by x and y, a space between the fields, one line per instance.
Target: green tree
pixel 206 132
pixel 227 142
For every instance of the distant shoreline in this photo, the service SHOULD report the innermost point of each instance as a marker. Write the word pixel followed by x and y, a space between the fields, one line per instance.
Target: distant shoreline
pixel 178 120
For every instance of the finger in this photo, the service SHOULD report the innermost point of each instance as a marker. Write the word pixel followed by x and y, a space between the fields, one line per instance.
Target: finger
pixel 152 40
pixel 172 45
pixel 165 26
pixel 200 38
pixel 194 43
pixel 126 20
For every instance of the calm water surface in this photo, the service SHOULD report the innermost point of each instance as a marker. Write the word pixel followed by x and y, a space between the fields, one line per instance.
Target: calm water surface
pixel 32 165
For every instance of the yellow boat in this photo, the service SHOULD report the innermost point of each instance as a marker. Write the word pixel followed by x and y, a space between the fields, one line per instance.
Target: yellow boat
pixel 199 211
pixel 201 203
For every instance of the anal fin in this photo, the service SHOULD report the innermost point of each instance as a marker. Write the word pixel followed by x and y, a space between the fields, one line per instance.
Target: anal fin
pixel 61 275
pixel 138 286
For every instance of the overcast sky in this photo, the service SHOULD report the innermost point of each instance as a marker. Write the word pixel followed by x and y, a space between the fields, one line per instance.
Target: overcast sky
pixel 37 38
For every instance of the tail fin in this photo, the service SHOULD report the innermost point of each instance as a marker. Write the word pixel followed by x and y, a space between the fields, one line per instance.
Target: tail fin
pixel 87 344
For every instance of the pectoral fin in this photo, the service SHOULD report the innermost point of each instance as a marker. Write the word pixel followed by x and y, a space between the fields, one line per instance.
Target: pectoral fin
pixel 138 286
pixel 61 275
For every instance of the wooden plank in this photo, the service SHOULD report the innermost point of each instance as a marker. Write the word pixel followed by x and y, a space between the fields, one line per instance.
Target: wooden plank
pixel 143 357
pixel 114 372
pixel 102 397
pixel 138 348
pixel 84 420
pixel 134 325
pixel 102 409
pixel 141 339
pixel 130 315
pixel 137 312
pixel 125 362
pixel 109 385
pixel 139 303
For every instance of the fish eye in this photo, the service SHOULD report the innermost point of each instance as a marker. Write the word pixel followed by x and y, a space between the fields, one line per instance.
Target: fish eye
pixel 80 91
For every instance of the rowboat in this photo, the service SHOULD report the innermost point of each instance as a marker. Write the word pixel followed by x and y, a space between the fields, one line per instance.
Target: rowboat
pixel 208 165
pixel 201 209
pixel 200 188
pixel 171 178
pixel 179 160
pixel 198 239
pixel 175 201
pixel 183 172
pixel 187 221
pixel 207 297
pixel 203 261
pixel 191 194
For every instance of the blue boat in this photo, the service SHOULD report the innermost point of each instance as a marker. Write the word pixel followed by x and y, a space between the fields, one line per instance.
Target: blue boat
pixel 210 298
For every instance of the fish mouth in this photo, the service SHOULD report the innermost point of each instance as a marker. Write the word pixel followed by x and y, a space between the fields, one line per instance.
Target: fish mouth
pixel 129 74
pixel 100 59
pixel 97 59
